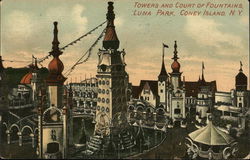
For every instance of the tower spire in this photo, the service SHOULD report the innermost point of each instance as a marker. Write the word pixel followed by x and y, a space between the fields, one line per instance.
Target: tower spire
pixel 55 66
pixel 163 74
pixel 55 43
pixel 110 39
pixel 175 51
pixel 175 65
pixel 202 76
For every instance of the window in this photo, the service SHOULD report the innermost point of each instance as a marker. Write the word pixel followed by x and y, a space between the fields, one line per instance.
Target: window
pixel 107 100
pixel 107 82
pixel 161 90
pixel 103 100
pixel 240 105
pixel 99 90
pixel 177 111
pixel 107 109
pixel 103 82
pixel 100 82
pixel 107 91
pixel 103 91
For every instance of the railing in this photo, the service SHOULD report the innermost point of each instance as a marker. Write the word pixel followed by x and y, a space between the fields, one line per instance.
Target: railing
pixel 205 154
pixel 56 155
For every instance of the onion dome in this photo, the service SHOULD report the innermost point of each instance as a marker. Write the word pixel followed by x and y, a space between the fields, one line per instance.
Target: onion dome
pixel 55 66
pixel 211 135
pixel 110 39
pixel 175 65
pixel 27 77
pixel 241 80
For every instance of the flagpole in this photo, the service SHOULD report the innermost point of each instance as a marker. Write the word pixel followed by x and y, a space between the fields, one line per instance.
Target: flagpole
pixel 163 52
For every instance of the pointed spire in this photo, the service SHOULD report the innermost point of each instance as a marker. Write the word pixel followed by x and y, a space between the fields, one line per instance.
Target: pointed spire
pixel 55 43
pixel 110 39
pixel 199 78
pixel 163 74
pixel 202 76
pixel 55 66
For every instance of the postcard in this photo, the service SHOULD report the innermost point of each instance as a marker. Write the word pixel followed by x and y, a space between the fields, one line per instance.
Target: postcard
pixel 128 79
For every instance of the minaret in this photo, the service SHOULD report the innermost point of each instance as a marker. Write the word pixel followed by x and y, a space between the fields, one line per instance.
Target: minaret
pixel 53 119
pixel 35 80
pixel 112 81
pixel 162 83
pixel 177 93
pixel 176 74
pixel 55 78
pixel 241 88
pixel 3 91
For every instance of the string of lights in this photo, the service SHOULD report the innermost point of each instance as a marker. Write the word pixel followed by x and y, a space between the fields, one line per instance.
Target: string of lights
pixel 88 53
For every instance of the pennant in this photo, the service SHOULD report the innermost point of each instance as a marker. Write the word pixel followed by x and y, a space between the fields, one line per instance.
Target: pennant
pixel 165 46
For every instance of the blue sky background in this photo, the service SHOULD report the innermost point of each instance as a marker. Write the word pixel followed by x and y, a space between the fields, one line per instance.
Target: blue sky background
pixel 221 42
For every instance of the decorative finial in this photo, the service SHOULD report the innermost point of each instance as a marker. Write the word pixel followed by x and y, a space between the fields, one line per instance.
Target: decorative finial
pixel 241 66
pixel 110 15
pixel 55 43
pixel 175 51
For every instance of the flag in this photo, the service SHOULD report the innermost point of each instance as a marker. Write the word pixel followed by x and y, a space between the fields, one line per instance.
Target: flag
pixel 164 45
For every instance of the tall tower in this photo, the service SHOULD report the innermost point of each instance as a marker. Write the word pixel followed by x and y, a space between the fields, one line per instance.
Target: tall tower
pixel 177 92
pixel 35 81
pixel 53 118
pixel 112 82
pixel 162 84
pixel 3 88
pixel 241 88
pixel 175 76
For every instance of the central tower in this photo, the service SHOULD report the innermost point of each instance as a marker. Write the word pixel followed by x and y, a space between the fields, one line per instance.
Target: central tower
pixel 112 81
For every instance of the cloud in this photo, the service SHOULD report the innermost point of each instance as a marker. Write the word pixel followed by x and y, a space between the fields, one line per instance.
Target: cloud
pixel 80 21
pixel 19 25
pixel 207 33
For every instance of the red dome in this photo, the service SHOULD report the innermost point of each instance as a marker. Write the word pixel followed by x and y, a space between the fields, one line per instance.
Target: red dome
pixel 176 66
pixel 56 66
pixel 26 78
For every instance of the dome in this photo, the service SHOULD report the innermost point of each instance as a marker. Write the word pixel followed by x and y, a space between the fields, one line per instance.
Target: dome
pixel 176 66
pixel 241 79
pixel 26 78
pixel 56 66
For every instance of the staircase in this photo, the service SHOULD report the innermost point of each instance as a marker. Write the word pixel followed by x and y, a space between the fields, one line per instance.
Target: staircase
pixel 127 140
pixel 94 145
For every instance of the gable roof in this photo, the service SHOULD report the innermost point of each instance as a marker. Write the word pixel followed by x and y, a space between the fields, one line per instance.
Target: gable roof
pixel 192 88
pixel 136 90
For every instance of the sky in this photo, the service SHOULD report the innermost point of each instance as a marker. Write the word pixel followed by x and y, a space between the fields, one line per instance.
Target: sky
pixel 220 41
